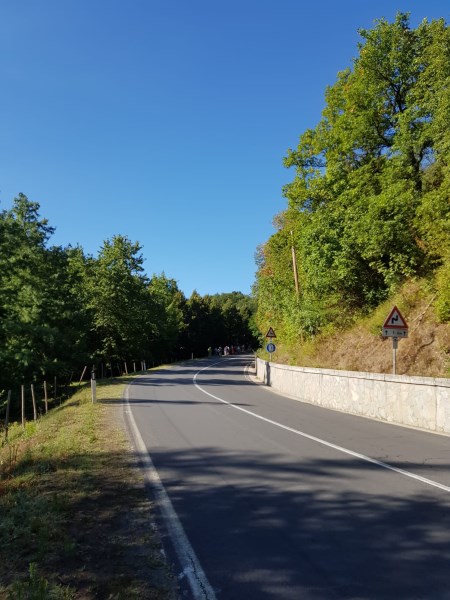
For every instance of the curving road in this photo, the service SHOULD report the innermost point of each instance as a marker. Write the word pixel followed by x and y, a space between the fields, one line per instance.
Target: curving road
pixel 265 497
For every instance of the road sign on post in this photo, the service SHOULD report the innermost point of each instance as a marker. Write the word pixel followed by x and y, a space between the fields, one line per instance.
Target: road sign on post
pixel 271 333
pixel 395 326
pixel 271 348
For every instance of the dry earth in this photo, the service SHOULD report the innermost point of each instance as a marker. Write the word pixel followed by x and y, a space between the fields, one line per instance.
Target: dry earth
pixel 426 352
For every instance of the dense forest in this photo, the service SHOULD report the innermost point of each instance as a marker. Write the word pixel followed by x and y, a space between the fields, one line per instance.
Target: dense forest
pixel 369 205
pixel 61 310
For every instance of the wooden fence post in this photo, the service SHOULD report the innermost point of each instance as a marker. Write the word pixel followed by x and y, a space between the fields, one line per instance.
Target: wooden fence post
pixel 8 402
pixel 22 390
pixel 33 397
pixel 45 397
pixel 82 374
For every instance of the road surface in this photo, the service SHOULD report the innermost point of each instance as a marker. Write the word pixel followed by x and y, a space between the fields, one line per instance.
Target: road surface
pixel 271 498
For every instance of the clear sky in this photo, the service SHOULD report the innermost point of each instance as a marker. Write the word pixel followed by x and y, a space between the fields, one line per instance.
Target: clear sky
pixel 167 120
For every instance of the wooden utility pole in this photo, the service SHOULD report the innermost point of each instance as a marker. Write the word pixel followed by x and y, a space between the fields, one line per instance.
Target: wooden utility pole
pixel 294 267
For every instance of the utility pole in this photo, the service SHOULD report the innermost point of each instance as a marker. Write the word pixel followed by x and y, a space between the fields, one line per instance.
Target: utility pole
pixel 294 267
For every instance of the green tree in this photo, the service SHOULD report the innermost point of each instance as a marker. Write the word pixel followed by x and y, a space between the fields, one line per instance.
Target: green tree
pixel 231 318
pixel 197 335
pixel 39 325
pixel 167 304
pixel 117 297
pixel 368 206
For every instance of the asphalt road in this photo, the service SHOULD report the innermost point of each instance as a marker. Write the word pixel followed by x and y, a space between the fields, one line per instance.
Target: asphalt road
pixel 278 498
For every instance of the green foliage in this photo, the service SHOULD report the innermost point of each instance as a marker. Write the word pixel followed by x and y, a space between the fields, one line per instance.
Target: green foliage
pixel 218 320
pixel 166 316
pixel 369 204
pixel 37 310
pixel 116 295
pixel 61 310
pixel 38 588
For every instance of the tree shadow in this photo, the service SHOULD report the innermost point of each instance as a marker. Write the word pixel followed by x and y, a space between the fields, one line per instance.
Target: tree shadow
pixel 266 529
pixel 87 528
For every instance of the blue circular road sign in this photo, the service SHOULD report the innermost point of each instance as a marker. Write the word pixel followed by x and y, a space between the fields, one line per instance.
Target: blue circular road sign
pixel 271 347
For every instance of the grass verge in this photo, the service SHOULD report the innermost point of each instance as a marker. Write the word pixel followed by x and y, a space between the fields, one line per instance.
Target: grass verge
pixel 75 518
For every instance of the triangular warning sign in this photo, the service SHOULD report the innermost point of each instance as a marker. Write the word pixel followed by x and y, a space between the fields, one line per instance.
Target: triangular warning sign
pixel 271 333
pixel 395 320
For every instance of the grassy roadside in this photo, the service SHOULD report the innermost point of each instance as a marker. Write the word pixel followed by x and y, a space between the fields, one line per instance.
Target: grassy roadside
pixel 75 519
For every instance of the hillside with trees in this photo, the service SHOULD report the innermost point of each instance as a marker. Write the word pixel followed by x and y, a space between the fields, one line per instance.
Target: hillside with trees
pixel 62 310
pixel 368 210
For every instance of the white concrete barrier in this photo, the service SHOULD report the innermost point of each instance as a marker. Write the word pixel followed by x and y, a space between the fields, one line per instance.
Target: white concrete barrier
pixel 422 402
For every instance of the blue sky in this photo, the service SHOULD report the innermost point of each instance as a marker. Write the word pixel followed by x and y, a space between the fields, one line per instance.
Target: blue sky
pixel 167 120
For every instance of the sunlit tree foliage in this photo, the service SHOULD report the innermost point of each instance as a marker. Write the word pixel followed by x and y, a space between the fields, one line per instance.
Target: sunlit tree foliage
pixel 369 204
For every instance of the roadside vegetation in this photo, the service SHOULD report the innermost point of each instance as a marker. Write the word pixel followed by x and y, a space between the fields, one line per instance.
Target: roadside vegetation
pixel 366 226
pixel 63 312
pixel 368 211
pixel 76 520
pixel 360 347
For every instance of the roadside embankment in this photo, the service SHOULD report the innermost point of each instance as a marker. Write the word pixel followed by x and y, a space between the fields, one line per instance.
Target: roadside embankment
pixel 76 519
pixel 421 402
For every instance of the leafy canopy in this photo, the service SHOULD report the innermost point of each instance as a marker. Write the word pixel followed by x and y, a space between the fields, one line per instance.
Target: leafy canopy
pixel 369 203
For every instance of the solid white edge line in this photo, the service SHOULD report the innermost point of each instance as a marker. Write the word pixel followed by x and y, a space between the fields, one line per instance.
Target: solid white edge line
pixel 324 442
pixel 191 568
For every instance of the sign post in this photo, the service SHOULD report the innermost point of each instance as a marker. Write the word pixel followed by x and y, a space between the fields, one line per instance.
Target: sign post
pixel 395 326
pixel 270 346
pixel 93 385
pixel 394 354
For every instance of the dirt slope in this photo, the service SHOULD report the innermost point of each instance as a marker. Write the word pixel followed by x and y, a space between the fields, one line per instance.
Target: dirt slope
pixel 426 352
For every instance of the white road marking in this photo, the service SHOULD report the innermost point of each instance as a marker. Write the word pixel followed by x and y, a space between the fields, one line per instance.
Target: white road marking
pixel 191 568
pixel 368 459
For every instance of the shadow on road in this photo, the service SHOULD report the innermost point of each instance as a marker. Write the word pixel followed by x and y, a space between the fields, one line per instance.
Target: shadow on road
pixel 308 539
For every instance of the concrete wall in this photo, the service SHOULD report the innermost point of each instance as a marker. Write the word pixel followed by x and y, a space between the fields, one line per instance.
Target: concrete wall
pixel 422 402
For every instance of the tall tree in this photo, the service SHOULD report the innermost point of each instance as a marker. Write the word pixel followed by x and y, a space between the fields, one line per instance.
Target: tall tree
pixel 34 310
pixel 167 305
pixel 116 295
pixel 368 205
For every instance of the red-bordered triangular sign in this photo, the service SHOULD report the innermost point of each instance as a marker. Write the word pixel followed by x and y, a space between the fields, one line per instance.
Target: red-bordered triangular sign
pixel 395 320
pixel 271 333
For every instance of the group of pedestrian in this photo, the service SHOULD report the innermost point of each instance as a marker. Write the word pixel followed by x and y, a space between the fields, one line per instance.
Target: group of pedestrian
pixel 227 350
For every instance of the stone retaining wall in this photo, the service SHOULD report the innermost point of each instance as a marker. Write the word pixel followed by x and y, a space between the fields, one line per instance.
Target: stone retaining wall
pixel 422 402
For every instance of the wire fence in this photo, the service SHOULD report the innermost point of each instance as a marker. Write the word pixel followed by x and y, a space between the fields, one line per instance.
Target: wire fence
pixel 30 401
